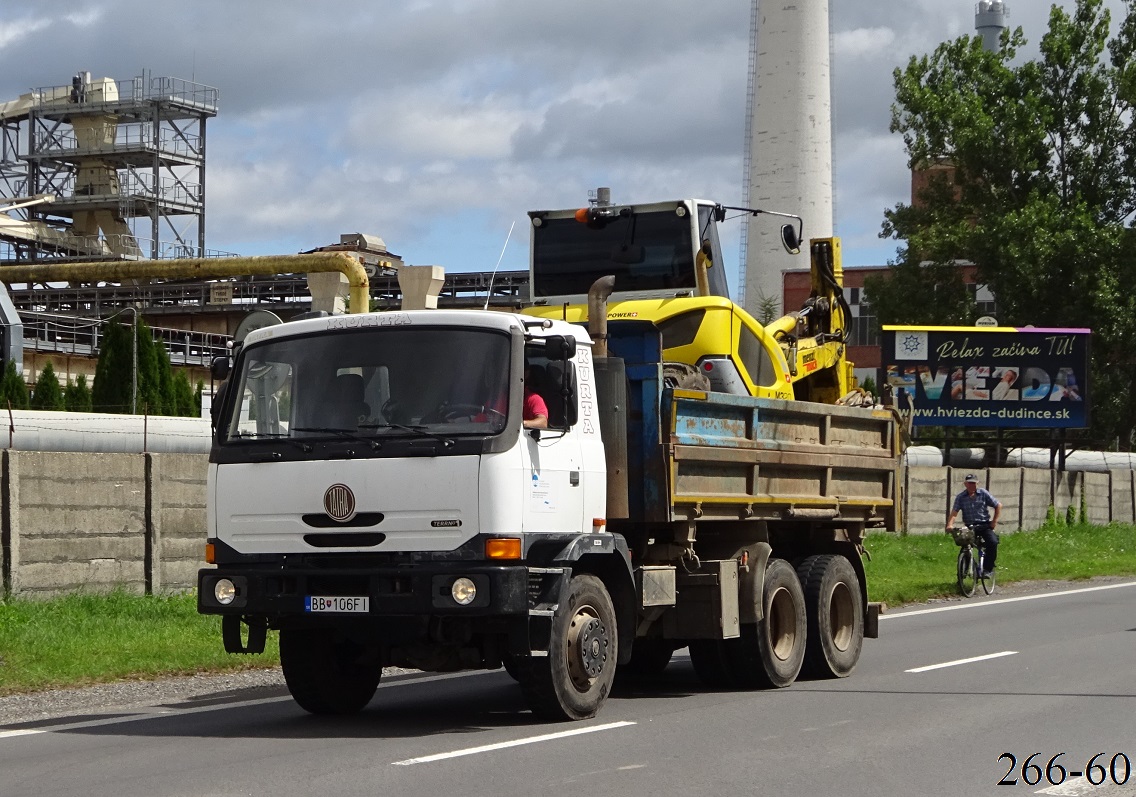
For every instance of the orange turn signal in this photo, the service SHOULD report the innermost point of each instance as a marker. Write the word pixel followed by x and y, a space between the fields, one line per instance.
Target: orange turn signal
pixel 503 548
pixel 210 554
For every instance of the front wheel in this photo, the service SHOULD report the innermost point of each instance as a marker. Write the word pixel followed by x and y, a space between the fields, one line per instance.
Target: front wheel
pixel 966 572
pixel 326 674
pixel 574 679
pixel 988 582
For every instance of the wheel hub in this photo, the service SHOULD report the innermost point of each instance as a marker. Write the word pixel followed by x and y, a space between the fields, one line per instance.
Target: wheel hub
pixel 588 645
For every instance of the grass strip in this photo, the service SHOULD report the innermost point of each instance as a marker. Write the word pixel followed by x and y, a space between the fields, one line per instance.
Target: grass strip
pixel 906 569
pixel 96 638
pixel 83 639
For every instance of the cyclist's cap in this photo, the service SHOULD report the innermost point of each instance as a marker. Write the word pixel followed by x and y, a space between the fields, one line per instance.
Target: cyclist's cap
pixel 970 477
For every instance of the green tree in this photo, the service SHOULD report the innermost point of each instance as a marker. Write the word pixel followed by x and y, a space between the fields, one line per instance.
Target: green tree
pixel 47 395
pixel 151 396
pixel 1040 193
pixel 115 371
pixel 13 390
pixel 112 389
pixel 183 400
pixel 77 395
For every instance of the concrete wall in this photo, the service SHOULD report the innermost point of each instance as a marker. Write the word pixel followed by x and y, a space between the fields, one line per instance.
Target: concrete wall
pixel 98 521
pixel 1026 495
pixel 137 521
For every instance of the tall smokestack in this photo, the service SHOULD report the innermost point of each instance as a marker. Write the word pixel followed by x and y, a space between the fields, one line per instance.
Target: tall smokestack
pixel 989 22
pixel 790 156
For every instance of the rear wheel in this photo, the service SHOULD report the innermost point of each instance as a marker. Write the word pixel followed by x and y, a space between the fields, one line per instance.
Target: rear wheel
pixel 327 674
pixel 772 652
pixel 835 615
pixel 966 574
pixel 574 679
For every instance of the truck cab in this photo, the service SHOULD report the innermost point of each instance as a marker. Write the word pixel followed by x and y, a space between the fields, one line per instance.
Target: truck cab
pixel 368 469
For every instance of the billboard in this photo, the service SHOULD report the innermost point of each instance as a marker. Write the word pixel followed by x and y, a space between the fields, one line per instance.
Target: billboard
pixel 997 377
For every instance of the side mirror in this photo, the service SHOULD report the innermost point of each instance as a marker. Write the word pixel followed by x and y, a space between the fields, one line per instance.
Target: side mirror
pixel 560 347
pixel 790 239
pixel 219 368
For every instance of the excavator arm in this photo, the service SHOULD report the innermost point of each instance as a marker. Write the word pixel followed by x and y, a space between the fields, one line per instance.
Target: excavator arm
pixel 814 338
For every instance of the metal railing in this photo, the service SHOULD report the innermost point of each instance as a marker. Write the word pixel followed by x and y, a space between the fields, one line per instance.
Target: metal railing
pixel 49 332
pixel 135 89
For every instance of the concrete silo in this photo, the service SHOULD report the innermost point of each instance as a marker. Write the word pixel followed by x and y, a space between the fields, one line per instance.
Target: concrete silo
pixel 789 162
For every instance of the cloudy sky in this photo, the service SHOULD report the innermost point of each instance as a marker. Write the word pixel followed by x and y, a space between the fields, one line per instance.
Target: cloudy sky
pixel 438 123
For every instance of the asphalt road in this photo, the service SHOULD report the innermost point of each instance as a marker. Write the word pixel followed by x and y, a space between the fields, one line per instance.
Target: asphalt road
pixel 937 706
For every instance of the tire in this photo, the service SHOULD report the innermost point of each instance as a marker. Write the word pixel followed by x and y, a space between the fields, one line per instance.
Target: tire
pixel 988 583
pixel 966 574
pixel 574 680
pixel 326 674
pixel 711 663
pixel 771 652
pixel 835 616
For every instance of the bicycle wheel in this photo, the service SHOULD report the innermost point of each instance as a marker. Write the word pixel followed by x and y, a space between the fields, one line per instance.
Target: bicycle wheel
pixel 966 572
pixel 987 582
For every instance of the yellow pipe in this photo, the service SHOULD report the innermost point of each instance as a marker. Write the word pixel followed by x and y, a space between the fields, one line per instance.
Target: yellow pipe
pixel 359 300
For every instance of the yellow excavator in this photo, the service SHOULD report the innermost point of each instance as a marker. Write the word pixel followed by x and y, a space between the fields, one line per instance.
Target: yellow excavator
pixel 665 258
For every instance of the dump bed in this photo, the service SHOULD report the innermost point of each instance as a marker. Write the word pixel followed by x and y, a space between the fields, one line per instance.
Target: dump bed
pixel 737 456
pixel 703 455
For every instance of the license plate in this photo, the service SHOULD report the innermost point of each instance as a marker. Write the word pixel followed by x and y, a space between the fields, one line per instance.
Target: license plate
pixel 337 604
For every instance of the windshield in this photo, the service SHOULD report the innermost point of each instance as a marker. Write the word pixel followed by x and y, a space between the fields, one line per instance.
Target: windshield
pixel 645 251
pixel 372 383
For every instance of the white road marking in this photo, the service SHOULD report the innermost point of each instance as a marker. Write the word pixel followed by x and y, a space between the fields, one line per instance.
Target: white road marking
pixel 485 748
pixel 1000 601
pixel 956 662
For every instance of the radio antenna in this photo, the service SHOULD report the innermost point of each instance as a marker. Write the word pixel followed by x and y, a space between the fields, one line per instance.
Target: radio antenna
pixel 489 292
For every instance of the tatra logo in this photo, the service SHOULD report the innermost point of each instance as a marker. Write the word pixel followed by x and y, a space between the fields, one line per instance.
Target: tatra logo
pixel 339 502
pixel 445 523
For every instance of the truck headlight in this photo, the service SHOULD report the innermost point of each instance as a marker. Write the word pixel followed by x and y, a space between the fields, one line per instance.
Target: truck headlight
pixel 224 591
pixel 463 591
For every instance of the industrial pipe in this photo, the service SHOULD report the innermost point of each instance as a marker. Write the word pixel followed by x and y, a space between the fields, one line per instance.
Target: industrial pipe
pixel 359 300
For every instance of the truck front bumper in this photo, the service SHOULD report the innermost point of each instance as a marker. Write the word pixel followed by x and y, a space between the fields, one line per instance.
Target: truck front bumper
pixel 279 592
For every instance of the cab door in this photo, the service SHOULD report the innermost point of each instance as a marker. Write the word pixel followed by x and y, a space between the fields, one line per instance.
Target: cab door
pixel 554 488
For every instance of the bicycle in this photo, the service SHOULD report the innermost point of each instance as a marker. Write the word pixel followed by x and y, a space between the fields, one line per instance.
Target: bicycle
pixel 971 562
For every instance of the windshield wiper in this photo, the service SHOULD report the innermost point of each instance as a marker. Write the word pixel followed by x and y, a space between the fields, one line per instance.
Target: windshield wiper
pixel 445 441
pixel 373 443
pixel 283 437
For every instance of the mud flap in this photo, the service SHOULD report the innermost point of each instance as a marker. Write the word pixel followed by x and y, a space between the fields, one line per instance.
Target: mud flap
pixel 231 635
pixel 872 620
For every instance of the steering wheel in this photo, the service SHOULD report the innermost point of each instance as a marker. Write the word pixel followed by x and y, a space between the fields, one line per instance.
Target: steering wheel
pixel 450 412
pixel 392 411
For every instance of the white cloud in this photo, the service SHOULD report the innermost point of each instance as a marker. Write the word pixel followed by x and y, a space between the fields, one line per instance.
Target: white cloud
pixel 438 123
pixel 17 30
pixel 861 41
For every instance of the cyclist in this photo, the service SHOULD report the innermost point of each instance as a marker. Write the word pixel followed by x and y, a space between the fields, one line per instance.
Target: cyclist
pixel 974 502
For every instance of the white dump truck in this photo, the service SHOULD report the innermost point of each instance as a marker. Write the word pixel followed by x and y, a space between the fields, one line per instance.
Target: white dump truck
pixel 376 497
